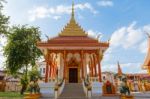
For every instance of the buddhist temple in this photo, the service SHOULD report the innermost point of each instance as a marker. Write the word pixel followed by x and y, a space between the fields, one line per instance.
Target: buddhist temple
pixel 146 64
pixel 73 55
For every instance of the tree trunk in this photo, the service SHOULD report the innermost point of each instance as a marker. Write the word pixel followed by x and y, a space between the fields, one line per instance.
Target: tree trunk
pixel 26 73
pixel 24 86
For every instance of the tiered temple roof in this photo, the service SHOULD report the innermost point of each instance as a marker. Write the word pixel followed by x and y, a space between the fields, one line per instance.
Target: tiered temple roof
pixel 72 29
pixel 72 36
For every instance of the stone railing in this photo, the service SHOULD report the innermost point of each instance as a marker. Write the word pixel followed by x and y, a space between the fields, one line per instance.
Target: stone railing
pixel 96 88
pixel 59 88
pixel 47 89
pixel 87 88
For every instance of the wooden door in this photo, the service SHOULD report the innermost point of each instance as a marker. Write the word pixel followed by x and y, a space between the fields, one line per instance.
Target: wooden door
pixel 73 75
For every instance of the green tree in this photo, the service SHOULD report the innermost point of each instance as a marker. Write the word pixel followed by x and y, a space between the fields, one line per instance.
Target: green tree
pixel 34 73
pixel 21 50
pixel 3 19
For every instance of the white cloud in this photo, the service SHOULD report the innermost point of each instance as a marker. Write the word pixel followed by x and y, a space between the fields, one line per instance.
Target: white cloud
pixel 127 37
pixel 38 12
pixel 134 35
pixel 86 6
pixel 41 12
pixel 117 37
pixel 91 33
pixel 56 17
pixel 94 34
pixel 147 28
pixel 143 47
pixel 105 3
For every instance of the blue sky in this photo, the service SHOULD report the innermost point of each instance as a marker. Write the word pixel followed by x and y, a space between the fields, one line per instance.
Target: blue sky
pixel 124 21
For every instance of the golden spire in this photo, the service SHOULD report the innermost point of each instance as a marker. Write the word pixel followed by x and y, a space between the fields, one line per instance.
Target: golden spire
pixel 72 28
pixel 72 17
pixel 119 69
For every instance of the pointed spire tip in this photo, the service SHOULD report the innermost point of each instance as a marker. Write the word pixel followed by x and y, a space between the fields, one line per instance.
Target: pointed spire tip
pixel 72 9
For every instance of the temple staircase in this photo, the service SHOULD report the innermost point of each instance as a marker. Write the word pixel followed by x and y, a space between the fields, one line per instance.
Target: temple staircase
pixel 73 91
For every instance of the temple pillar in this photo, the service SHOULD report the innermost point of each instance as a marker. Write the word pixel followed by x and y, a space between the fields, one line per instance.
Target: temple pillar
pixel 90 70
pixel 94 64
pixel 99 67
pixel 85 67
pixel 64 74
pixel 61 70
pixel 47 67
pixel 50 68
pixel 56 68
pixel 82 67
pixel 46 74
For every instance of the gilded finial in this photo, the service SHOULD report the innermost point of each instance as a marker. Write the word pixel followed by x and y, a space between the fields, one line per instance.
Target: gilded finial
pixel 72 10
pixel 147 33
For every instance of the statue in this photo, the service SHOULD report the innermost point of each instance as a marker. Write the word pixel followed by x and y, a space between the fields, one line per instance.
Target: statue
pixel 34 87
pixel 124 89
pixel 108 87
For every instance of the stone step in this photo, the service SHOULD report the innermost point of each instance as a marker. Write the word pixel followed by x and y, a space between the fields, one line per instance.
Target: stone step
pixel 73 91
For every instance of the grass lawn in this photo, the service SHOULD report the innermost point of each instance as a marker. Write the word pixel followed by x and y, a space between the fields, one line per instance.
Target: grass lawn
pixel 10 94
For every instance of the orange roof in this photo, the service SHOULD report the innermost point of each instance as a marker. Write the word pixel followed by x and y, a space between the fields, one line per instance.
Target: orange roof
pixel 73 41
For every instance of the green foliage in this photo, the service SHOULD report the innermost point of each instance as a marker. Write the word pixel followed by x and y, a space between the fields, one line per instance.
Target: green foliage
pixel 21 50
pixel 3 20
pixel 24 80
pixel 34 73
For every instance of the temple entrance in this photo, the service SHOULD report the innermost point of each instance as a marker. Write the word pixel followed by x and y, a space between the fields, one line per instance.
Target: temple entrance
pixel 73 75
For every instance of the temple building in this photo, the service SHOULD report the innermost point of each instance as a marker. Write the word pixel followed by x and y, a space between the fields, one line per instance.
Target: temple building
pixel 146 64
pixel 73 55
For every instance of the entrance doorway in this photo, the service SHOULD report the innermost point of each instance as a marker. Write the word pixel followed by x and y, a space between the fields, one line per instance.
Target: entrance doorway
pixel 73 75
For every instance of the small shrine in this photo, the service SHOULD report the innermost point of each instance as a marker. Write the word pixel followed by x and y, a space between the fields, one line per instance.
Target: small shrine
pixel 73 55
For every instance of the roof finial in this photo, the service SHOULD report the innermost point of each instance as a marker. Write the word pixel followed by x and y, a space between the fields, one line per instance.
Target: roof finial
pixel 147 33
pixel 72 10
